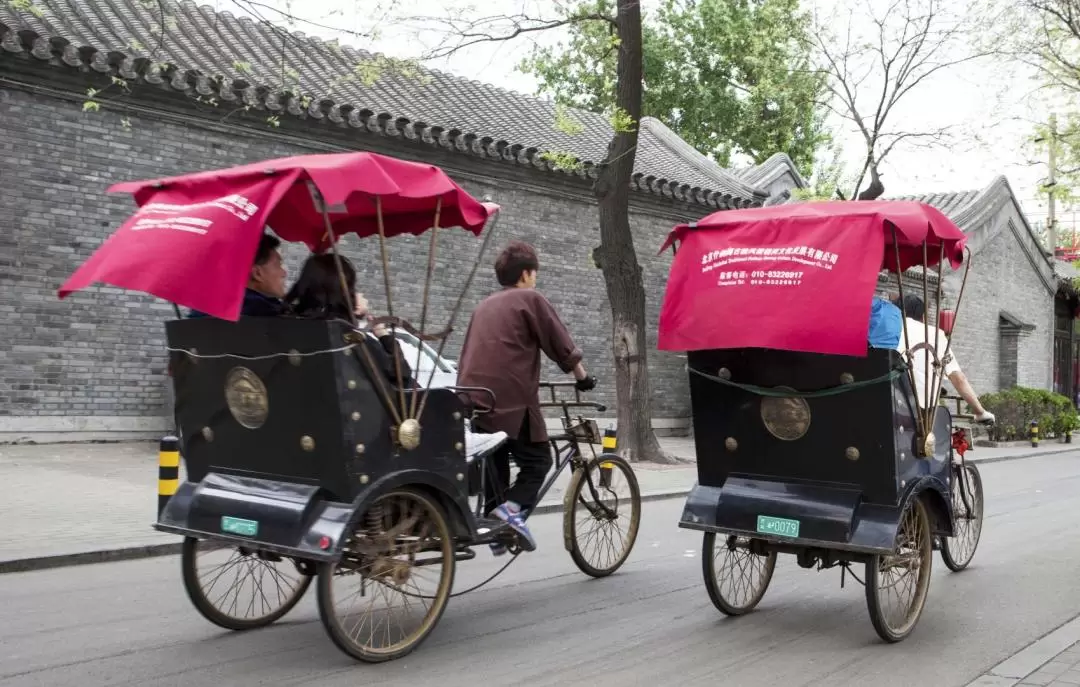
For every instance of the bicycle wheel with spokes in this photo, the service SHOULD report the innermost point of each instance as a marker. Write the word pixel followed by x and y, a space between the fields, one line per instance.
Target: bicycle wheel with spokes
pixel 600 523
pixel 967 498
pixel 897 585
pixel 238 588
pixel 735 577
pixel 392 584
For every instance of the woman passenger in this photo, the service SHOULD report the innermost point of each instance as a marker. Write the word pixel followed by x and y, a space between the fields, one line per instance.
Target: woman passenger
pixel 318 294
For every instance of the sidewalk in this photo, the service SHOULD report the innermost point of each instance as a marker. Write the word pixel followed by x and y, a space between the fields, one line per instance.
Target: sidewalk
pixel 1052 661
pixel 64 504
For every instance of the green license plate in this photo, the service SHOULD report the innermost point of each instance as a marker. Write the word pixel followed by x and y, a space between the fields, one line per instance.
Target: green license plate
pixel 245 528
pixel 779 527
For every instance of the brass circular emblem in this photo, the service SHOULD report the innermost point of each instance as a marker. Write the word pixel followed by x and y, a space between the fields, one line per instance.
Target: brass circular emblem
pixel 928 445
pixel 246 397
pixel 787 418
pixel 409 434
pixel 851 453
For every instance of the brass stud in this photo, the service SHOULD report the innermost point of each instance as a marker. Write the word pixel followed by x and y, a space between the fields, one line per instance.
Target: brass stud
pixel 851 453
pixel 352 384
pixel 847 378
pixel 346 351
pixel 363 479
pixel 356 415
pixel 194 355
pixel 307 443
pixel 208 433
pixel 730 444
pixel 359 449
pixel 460 477
pixel 457 415
pixel 459 446
pixel 724 373
pixel 903 484
pixel 294 357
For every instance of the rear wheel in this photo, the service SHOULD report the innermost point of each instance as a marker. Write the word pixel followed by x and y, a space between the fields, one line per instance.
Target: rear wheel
pixel 601 522
pixel 897 585
pixel 967 499
pixel 392 584
pixel 238 588
pixel 735 577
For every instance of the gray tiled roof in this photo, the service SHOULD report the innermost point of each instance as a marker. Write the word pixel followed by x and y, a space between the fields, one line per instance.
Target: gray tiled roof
pixel 238 60
pixel 953 204
pixel 774 166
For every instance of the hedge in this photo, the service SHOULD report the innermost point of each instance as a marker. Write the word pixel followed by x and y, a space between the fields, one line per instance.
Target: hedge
pixel 1015 408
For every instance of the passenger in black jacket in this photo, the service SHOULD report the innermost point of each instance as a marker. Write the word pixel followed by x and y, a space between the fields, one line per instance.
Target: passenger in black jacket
pixel 318 294
pixel 266 283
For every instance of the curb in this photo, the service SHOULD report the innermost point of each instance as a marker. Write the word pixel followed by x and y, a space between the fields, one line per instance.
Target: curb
pixel 1021 665
pixel 130 553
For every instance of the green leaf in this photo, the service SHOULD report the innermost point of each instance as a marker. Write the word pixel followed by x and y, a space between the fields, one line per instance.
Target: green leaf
pixel 91 106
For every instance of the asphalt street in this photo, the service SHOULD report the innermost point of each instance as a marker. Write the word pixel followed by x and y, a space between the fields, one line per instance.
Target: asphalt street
pixel 544 623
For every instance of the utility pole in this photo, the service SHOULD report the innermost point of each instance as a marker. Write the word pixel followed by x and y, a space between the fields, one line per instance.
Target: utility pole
pixel 1051 182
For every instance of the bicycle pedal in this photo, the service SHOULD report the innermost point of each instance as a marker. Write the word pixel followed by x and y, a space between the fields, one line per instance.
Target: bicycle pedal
pixel 487 525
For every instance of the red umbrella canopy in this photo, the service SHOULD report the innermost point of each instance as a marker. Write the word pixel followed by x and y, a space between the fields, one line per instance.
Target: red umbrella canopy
pixel 797 277
pixel 194 236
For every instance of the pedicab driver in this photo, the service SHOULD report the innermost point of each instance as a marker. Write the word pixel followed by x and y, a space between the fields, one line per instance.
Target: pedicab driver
pixel 507 333
pixel 914 322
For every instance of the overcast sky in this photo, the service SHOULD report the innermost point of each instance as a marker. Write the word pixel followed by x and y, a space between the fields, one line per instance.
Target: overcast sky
pixel 987 101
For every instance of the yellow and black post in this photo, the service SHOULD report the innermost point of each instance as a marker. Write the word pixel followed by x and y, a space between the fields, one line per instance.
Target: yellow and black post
pixel 168 471
pixel 609 444
pixel 1035 434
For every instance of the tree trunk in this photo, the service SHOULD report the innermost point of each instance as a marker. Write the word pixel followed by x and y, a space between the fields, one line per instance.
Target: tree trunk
pixel 617 257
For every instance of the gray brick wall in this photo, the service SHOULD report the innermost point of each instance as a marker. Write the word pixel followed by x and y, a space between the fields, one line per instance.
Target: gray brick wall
pixel 1002 278
pixel 99 352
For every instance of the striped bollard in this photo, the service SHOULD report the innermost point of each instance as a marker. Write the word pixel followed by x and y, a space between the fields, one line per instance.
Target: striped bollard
pixel 1034 434
pixel 609 445
pixel 168 471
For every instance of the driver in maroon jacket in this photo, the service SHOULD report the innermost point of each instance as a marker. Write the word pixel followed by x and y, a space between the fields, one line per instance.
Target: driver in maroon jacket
pixel 507 333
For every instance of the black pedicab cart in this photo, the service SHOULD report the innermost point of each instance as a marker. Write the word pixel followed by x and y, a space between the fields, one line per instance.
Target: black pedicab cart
pixel 302 462
pixel 809 441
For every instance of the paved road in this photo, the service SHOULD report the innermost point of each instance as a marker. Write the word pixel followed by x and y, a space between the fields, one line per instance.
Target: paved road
pixel 542 623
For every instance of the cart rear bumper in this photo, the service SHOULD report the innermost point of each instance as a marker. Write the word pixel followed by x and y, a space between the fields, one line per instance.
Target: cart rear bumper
pixel 793 514
pixel 282 517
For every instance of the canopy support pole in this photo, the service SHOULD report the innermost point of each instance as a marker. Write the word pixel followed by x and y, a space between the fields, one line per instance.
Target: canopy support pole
pixel 390 300
pixel 907 340
pixel 350 298
pixel 956 310
pixel 424 307
pixel 457 308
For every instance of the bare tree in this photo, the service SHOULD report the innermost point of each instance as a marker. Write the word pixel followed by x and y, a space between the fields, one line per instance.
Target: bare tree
pixel 616 256
pixel 911 41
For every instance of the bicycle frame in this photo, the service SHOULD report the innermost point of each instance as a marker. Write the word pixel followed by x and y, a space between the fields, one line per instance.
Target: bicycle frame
pixel 566 447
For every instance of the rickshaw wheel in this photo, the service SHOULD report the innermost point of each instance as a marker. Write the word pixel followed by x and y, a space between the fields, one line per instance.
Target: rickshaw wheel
pixel 389 558
pixel 958 551
pixel 735 577
pixel 905 574
pixel 601 527
pixel 248 590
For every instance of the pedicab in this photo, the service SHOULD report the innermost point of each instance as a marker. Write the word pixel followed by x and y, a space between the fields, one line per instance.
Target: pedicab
pixel 809 442
pixel 302 462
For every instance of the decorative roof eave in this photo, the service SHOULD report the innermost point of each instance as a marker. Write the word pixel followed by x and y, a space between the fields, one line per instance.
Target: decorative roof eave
pixel 59 52
pixel 768 171
pixel 1009 322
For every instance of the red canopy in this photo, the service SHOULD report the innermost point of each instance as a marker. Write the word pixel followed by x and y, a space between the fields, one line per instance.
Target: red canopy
pixel 796 277
pixel 193 238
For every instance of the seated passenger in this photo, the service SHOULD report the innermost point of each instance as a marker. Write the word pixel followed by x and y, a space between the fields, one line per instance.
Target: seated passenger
pixel 266 284
pixel 885 324
pixel 917 333
pixel 318 294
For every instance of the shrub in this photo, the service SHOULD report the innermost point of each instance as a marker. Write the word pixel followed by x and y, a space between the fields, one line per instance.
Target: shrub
pixel 1015 408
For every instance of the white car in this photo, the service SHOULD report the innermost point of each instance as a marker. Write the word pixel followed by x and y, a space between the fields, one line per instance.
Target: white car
pixel 445 370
